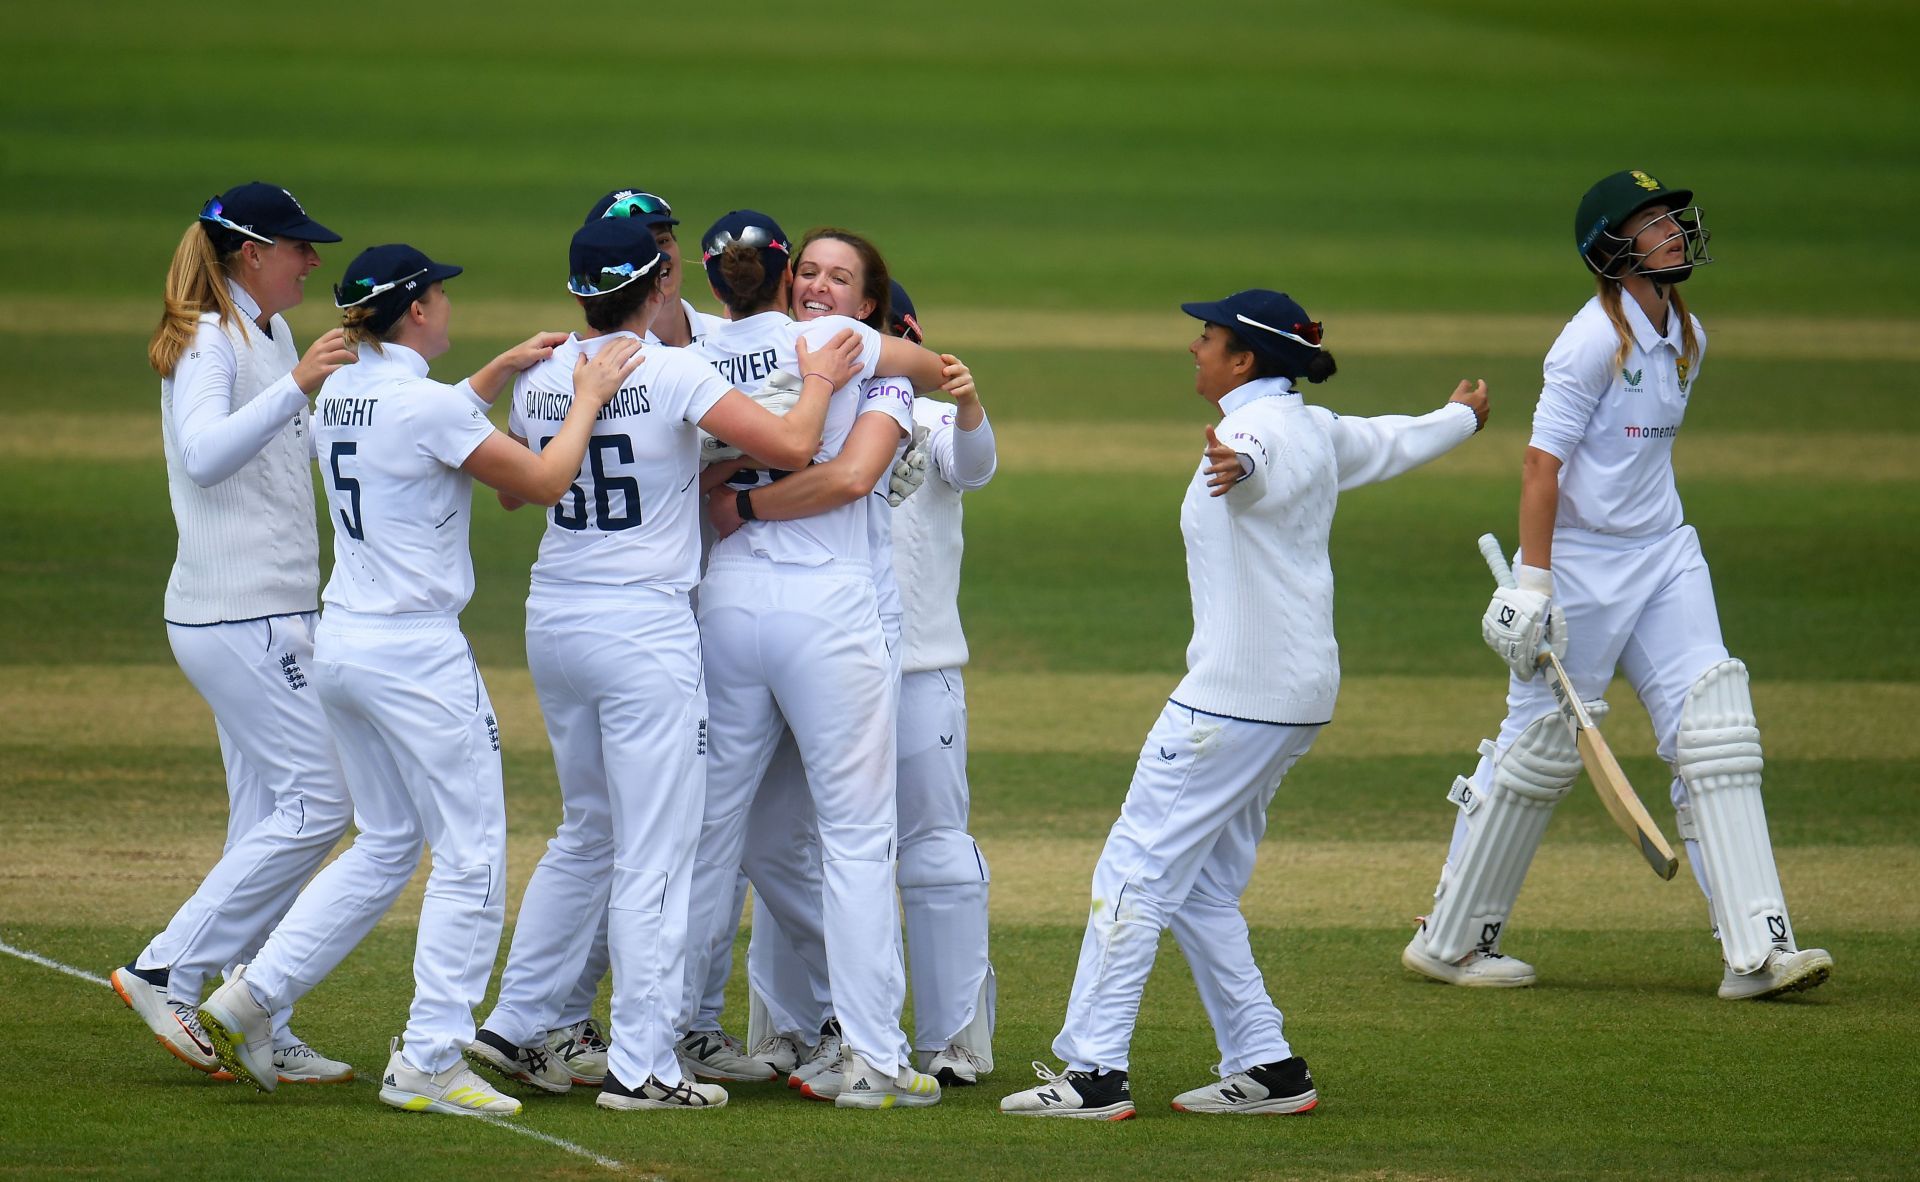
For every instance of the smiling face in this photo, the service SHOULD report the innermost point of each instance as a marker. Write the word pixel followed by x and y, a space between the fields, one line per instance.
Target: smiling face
pixel 830 280
pixel 669 288
pixel 1218 368
pixel 1657 237
pixel 276 276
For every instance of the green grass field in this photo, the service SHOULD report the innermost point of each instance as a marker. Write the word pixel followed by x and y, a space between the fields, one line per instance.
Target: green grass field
pixel 1050 180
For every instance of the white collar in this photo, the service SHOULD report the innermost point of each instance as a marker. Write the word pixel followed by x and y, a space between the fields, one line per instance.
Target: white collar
pixel 388 353
pixel 1246 392
pixel 1643 330
pixel 243 300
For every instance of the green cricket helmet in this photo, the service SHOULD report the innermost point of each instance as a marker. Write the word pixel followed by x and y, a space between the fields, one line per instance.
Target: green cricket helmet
pixel 1607 207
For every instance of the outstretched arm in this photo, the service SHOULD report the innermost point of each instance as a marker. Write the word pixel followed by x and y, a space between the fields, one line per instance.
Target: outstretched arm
pixel 1369 450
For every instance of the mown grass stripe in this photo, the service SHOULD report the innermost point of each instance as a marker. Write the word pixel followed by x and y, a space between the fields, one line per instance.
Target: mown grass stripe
pixel 1034 713
pixel 1360 333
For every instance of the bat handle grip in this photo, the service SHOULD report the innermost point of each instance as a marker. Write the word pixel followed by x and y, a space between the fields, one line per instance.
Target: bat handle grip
pixel 1496 561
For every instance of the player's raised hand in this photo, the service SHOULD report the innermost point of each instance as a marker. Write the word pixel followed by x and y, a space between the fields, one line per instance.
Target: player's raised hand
pixel 324 356
pixel 533 350
pixel 599 380
pixel 1225 468
pixel 1473 396
pixel 837 361
pixel 957 379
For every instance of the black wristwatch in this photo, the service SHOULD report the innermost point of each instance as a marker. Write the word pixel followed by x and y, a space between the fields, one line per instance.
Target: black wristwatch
pixel 743 504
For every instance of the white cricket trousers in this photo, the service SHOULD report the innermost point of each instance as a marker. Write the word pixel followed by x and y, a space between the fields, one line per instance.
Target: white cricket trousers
pixel 417 738
pixel 619 679
pixel 1644 609
pixel 1181 855
pixel 942 875
pixel 286 801
pixel 803 647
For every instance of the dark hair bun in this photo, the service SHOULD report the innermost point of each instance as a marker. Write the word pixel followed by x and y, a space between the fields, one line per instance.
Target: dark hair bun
pixel 1320 366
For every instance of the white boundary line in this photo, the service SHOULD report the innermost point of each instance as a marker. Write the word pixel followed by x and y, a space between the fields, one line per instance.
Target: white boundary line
pixel 497 1122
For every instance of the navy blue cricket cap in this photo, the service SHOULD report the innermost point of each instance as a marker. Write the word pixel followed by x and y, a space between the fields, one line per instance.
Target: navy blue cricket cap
pixel 901 320
pixel 1268 322
pixel 388 279
pixel 609 253
pixel 635 204
pixel 752 228
pixel 260 212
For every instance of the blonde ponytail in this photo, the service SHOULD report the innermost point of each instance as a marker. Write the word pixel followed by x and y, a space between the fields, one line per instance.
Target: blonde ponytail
pixel 196 284
pixel 356 324
pixel 1610 302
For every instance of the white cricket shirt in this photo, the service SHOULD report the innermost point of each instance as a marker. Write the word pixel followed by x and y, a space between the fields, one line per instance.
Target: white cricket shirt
pixel 927 541
pixel 391 441
pixel 1613 427
pixel 745 353
pixel 632 515
pixel 1262 585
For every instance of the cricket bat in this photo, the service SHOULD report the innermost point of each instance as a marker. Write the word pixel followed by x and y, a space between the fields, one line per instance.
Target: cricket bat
pixel 1623 805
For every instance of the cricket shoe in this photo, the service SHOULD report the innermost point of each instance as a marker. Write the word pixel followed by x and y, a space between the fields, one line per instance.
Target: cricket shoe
pixel 457 1090
pixel 1271 1089
pixel 528 1065
pixel 825 1055
pixel 583 1049
pixel 300 1063
pixel 1077 1095
pixel 956 1067
pixel 175 1024
pixel 687 1094
pixel 864 1087
pixel 825 1083
pixel 1783 972
pixel 780 1052
pixel 716 1054
pixel 1482 967
pixel 241 1031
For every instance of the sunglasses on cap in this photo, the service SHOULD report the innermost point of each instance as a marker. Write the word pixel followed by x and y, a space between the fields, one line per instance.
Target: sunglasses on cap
pixel 354 292
pixel 1307 334
pixel 608 280
pixel 637 203
pixel 758 236
pixel 216 212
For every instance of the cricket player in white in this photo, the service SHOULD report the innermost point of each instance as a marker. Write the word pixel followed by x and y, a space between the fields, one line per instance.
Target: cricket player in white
pixel 411 718
pixel 241 600
pixel 792 638
pixel 1262 675
pixel 1611 577
pixel 615 656
pixel 942 874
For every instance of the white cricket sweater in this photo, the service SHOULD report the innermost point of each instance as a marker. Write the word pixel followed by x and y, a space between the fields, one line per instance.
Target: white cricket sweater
pixel 231 416
pixel 1263 647
pixel 927 542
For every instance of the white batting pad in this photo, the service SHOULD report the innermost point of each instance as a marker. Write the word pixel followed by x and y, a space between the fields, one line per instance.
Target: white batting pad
pixel 1507 810
pixel 1718 757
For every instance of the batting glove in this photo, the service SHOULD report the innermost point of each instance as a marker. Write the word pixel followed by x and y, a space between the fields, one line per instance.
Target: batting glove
pixel 1521 623
pixel 910 470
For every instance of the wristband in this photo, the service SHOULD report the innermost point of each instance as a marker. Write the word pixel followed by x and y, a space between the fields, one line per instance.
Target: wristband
pixel 821 376
pixel 743 504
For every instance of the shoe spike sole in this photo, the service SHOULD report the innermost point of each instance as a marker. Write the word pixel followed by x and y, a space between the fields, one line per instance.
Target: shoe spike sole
pixel 224 1051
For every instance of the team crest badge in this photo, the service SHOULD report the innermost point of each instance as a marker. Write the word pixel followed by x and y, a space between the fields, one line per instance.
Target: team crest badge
pixel 1682 367
pixel 1644 181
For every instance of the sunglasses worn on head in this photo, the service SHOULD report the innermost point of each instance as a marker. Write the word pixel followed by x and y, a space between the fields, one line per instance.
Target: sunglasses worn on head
pixel 751 236
pixel 637 203
pixel 354 292
pixel 1307 334
pixel 214 211
pixel 608 280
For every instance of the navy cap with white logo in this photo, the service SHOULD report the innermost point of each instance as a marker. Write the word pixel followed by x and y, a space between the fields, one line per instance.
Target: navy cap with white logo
pixel 637 204
pixel 1269 323
pixel 609 253
pixel 259 212
pixel 388 279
